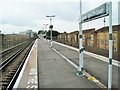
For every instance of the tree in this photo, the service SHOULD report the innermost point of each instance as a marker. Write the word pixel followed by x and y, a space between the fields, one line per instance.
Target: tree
pixel 54 33
pixel 41 32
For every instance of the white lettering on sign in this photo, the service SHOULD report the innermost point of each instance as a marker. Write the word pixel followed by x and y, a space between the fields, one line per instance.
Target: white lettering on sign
pixel 95 13
pixel 32 81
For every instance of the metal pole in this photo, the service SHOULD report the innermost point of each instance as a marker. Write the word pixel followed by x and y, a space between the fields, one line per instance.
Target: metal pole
pixel 51 30
pixel 50 25
pixel 81 49
pixel 80 43
pixel 110 48
pixel 45 30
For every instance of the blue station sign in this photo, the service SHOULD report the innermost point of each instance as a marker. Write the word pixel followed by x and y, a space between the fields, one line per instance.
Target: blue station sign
pixel 96 13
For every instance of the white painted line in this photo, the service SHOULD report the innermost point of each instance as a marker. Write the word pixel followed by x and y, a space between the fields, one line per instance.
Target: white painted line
pixel 102 58
pixel 21 73
pixel 36 65
pixel 73 64
pixel 86 74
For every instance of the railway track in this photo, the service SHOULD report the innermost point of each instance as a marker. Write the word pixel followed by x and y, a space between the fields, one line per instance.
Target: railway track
pixel 7 53
pixel 11 67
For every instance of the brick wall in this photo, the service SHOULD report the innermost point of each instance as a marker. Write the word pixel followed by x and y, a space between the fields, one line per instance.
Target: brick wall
pixel 96 41
pixel 118 42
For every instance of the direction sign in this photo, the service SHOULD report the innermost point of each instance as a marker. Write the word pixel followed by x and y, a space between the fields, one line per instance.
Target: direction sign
pixel 96 13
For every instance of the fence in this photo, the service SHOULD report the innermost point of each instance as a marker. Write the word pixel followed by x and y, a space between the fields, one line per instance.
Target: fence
pixel 9 40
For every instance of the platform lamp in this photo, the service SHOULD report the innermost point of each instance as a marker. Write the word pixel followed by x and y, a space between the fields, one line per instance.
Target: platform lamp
pixel 51 27
pixel 45 30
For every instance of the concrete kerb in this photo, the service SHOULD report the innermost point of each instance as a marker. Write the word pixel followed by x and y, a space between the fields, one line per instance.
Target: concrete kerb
pixel 102 58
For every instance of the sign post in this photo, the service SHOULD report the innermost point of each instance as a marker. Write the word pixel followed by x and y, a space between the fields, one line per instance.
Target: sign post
pixel 99 12
pixel 110 48
pixel 80 73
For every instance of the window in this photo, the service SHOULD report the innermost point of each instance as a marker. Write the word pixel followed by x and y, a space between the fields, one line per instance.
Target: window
pixel 106 42
pixel 115 49
pixel 65 38
pixel 83 37
pixel 114 39
pixel 92 37
pixel 75 38
pixel 88 43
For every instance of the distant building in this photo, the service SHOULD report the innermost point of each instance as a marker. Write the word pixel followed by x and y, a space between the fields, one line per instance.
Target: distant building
pixel 29 33
pixel 23 33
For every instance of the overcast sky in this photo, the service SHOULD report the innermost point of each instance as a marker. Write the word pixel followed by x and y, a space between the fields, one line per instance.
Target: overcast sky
pixel 21 15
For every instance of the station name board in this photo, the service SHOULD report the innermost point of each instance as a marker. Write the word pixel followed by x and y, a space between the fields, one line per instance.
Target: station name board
pixel 96 13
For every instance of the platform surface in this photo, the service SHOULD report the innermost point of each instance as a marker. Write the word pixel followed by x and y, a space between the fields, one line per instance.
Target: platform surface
pixel 95 64
pixel 55 72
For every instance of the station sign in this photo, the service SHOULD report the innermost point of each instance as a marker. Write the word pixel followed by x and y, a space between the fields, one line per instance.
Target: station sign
pixel 96 13
pixel 99 12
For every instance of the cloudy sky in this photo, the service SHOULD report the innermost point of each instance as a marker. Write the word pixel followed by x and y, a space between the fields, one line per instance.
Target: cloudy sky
pixel 21 15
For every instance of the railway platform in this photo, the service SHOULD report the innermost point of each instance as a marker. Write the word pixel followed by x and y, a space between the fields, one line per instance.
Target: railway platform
pixel 56 67
pixel 56 72
pixel 95 65
pixel 28 75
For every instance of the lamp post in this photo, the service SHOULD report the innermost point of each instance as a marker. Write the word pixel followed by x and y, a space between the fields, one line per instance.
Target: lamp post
pixel 46 30
pixel 50 27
